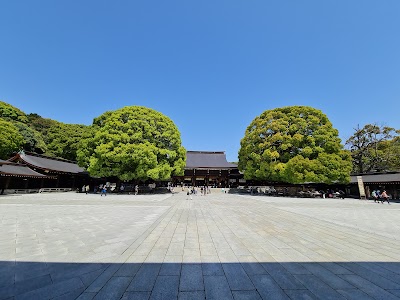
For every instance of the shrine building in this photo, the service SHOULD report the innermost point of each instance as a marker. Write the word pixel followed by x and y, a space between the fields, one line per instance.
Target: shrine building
pixel 208 168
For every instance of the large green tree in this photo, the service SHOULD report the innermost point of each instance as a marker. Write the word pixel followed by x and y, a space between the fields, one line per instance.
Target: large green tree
pixel 11 113
pixel 374 148
pixel 133 142
pixel 61 140
pixel 293 144
pixel 10 139
pixel 33 140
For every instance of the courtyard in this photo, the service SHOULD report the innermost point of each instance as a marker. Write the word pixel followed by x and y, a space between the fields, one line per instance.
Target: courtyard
pixel 219 246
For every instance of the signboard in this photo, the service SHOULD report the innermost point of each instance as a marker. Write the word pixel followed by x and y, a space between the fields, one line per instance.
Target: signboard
pixel 361 187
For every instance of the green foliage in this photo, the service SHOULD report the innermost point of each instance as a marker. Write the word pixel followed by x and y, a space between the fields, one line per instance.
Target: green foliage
pixel 11 113
pixel 33 140
pixel 43 135
pixel 133 143
pixel 63 140
pixel 10 139
pixel 374 148
pixel 294 144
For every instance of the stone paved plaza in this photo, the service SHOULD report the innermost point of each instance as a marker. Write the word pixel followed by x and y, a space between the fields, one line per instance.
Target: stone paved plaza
pixel 222 246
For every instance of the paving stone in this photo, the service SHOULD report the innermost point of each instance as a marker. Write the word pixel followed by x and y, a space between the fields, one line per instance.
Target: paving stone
pixel 114 288
pixel 355 294
pixel 32 284
pixel 7 292
pixel 318 287
pixel 328 277
pixel 88 278
pixel 373 277
pixel 136 296
pixel 191 278
pixel 166 287
pixel 212 269
pixel 284 279
pixel 395 292
pixel 350 247
pixel 301 295
pixel 246 295
pixel 102 279
pixel 195 295
pixel 128 269
pixel 52 291
pixel 369 288
pixel 237 277
pixel 217 288
pixel 145 278
pixel 86 296
pixel 72 295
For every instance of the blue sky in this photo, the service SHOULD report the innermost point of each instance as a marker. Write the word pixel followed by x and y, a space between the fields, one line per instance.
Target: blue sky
pixel 211 66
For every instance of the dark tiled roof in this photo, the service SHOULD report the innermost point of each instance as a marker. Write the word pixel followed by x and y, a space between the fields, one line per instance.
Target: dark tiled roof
pixel 377 178
pixel 208 159
pixel 11 169
pixel 49 163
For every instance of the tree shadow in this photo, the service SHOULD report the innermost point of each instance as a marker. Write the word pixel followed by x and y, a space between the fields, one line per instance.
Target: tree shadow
pixel 255 280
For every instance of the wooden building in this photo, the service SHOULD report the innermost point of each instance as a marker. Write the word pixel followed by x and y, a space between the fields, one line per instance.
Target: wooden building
pixel 15 176
pixel 68 173
pixel 377 181
pixel 208 168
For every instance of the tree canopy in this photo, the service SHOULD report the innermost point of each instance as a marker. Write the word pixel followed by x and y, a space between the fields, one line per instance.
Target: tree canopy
pixel 11 113
pixel 43 135
pixel 374 148
pixel 295 144
pixel 10 139
pixel 133 142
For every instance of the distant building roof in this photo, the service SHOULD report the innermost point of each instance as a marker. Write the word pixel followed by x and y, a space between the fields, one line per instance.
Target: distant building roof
pixel 17 170
pixel 49 164
pixel 208 159
pixel 377 178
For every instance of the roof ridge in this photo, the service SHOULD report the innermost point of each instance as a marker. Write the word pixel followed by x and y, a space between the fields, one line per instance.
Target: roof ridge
pixel 49 157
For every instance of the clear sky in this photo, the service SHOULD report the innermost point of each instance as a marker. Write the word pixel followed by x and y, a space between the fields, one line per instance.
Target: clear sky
pixel 211 66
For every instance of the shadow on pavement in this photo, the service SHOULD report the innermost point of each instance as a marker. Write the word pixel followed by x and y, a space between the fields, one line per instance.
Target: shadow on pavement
pixel 291 280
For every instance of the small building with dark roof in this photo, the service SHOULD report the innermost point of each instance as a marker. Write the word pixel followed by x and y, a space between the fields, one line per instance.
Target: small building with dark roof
pixel 68 173
pixel 20 176
pixel 209 168
pixel 377 181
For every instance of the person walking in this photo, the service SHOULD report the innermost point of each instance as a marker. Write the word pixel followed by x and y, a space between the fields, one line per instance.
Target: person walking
pixel 103 191
pixel 87 188
pixel 136 189
pixel 189 194
pixel 374 196
pixel 384 197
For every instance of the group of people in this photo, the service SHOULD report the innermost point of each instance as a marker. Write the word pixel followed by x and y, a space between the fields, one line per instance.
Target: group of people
pixel 85 189
pixel 204 190
pixel 378 196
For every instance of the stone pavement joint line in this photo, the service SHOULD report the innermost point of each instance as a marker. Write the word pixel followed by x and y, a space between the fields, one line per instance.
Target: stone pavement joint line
pixel 219 246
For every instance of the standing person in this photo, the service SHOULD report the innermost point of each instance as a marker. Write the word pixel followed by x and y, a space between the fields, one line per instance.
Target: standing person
pixel 87 188
pixel 378 195
pixel 103 191
pixel 385 197
pixel 136 189
pixel 189 194
pixel 373 194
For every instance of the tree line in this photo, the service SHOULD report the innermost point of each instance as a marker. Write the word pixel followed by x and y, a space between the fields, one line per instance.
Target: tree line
pixel 293 144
